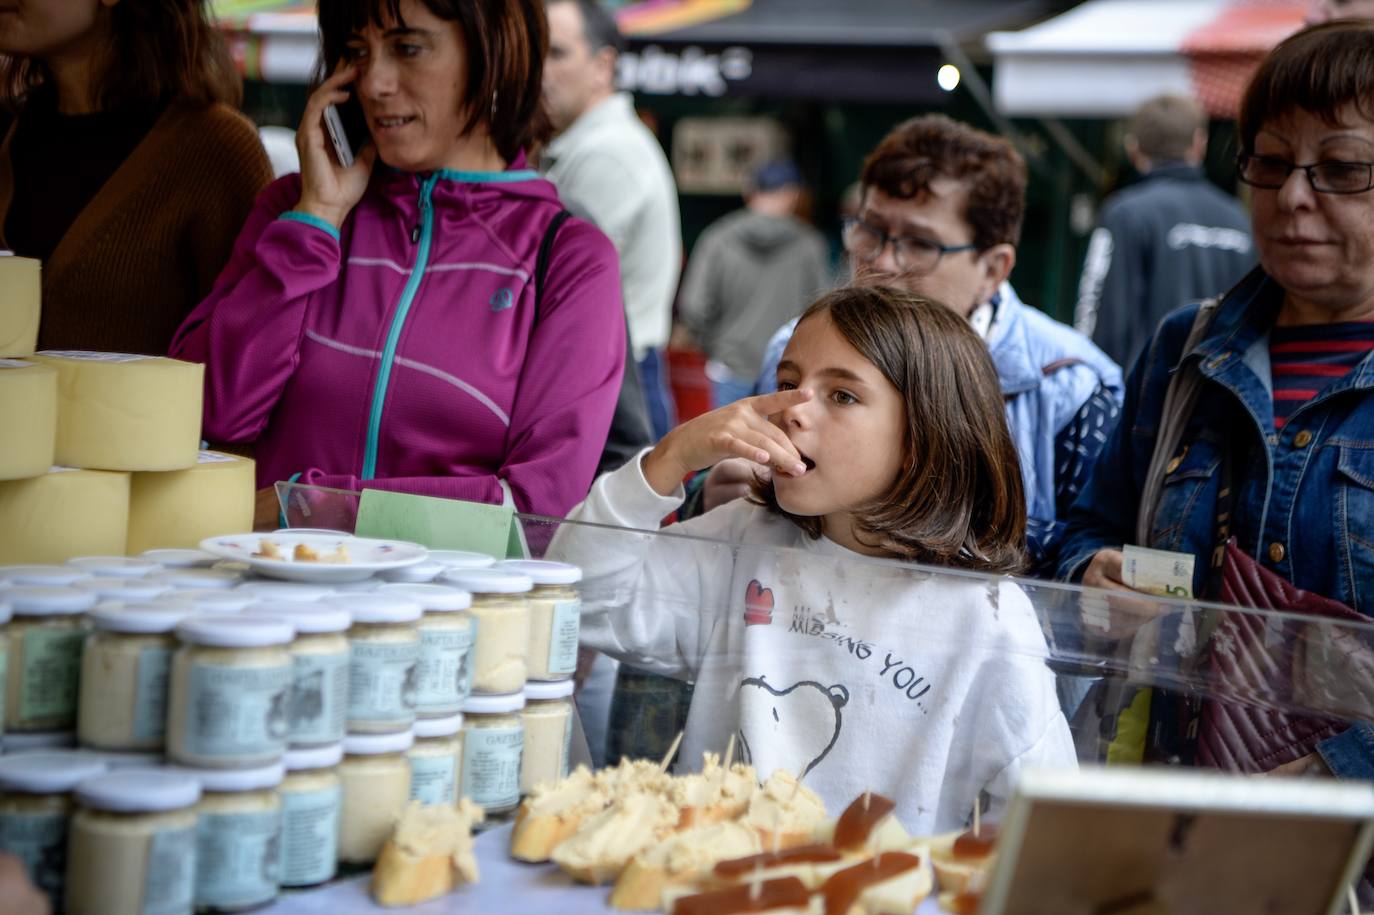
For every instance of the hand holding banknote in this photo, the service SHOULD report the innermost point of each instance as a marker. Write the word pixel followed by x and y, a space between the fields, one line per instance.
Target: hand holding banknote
pixel 1130 570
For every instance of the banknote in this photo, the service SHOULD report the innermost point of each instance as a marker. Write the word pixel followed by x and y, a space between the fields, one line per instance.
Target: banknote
pixel 1158 571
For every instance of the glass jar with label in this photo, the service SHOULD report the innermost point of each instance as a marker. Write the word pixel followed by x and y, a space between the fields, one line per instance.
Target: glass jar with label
pixel 384 659
pixel 114 566
pixel 35 807
pixel 444 676
pixel 238 838
pixel 124 590
pixel 318 706
pixel 375 775
pixel 311 797
pixel 231 680
pixel 436 760
pixel 133 844
pixel 548 718
pixel 501 614
pixel 124 672
pixel 555 616
pixel 43 672
pixel 493 741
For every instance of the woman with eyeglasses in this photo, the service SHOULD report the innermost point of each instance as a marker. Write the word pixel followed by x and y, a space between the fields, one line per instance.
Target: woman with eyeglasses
pixel 1277 448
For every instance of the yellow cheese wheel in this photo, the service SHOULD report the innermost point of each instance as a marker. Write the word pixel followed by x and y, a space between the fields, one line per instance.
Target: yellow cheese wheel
pixel 20 299
pixel 28 416
pixel 180 508
pixel 64 513
pixel 117 412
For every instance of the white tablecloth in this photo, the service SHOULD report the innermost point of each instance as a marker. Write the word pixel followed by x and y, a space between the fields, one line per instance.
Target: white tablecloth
pixel 507 887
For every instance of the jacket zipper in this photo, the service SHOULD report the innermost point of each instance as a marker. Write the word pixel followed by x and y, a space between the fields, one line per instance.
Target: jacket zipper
pixel 423 235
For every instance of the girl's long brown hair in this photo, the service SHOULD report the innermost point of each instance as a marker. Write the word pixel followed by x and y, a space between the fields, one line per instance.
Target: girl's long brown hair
pixel 958 499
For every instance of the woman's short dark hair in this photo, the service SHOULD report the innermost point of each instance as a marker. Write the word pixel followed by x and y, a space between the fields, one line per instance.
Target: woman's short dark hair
pixel 1322 70
pixel 158 50
pixel 505 43
pixel 958 499
pixel 918 150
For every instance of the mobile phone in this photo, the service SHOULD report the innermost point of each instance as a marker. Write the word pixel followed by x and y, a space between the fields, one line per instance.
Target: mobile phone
pixel 347 129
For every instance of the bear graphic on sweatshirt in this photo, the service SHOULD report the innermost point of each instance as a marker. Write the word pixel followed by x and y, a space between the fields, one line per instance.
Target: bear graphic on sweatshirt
pixel 792 727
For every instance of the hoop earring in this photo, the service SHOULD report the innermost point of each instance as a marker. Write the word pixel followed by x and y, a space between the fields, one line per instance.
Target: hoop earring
pixel 493 105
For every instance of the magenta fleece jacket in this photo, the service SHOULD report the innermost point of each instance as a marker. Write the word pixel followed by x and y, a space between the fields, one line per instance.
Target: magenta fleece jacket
pixel 403 352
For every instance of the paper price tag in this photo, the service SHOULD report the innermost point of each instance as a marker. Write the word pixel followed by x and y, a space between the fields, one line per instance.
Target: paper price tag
pixel 1158 572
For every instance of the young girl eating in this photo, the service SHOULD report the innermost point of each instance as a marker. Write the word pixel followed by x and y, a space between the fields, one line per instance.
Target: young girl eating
pixel 885 440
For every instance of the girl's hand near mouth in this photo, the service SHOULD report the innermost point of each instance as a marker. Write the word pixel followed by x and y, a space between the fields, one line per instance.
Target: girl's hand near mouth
pixel 740 430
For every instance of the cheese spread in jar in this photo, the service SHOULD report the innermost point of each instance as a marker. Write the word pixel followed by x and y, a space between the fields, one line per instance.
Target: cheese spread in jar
pixel 318 707
pixel 493 740
pixel 375 774
pixel 444 676
pixel 238 838
pixel 501 614
pixel 436 760
pixel 311 798
pixel 133 844
pixel 43 671
pixel 124 672
pixel 35 809
pixel 555 616
pixel 384 657
pixel 231 680
pixel 548 719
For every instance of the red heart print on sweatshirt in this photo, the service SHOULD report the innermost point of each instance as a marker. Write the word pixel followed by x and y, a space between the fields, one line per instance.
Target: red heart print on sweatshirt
pixel 758 604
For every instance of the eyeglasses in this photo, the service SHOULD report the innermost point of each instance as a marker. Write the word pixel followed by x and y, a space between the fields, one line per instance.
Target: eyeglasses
pixel 911 253
pixel 1325 177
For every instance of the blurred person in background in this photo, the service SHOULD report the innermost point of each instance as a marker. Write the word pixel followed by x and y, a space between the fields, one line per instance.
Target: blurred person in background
pixel 126 171
pixel 941 216
pixel 610 170
pixel 1170 239
pixel 750 272
pixel 1325 10
pixel 422 320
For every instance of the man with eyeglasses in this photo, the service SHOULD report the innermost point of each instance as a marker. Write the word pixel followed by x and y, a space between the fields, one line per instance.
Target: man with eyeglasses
pixel 1171 238
pixel 940 215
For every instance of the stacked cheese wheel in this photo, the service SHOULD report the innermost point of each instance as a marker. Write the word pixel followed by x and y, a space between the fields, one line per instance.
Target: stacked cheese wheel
pixel 102 457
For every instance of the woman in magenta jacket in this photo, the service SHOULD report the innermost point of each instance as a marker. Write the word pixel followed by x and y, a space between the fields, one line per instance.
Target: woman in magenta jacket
pixel 378 325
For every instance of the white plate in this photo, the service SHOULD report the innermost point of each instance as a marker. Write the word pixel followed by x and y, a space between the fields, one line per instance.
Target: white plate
pixel 365 557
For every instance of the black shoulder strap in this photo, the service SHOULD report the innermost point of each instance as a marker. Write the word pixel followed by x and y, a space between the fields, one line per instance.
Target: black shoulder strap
pixel 541 263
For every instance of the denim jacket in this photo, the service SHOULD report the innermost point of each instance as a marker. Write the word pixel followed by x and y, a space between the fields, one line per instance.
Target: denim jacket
pixel 1305 495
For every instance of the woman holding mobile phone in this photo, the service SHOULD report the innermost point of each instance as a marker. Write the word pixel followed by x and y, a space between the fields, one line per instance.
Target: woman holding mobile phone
pixel 423 319
pixel 126 170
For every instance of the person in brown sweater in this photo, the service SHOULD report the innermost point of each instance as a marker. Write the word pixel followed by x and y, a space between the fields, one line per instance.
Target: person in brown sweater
pixel 126 170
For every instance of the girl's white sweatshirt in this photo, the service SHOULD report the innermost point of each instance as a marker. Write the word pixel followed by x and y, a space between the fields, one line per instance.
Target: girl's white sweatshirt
pixel 859 674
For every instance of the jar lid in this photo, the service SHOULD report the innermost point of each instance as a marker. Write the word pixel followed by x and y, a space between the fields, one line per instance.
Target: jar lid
pixel 226 781
pixel 376 744
pixel 488 581
pixel 235 631
pixel 198 579
pixel 461 559
pixel 115 760
pixel 438 598
pixel 139 791
pixel 180 559
pixel 543 690
pixel 139 618
pixel 233 565
pixel 298 591
pixel 379 607
pixel 124 589
pixel 211 601
pixel 494 705
pixel 41 576
pixel 50 772
pixel 308 619
pixel 6 611
pixel 39 740
pixel 542 572
pixel 366 586
pixel 325 757
pixel 114 566
pixel 40 601
pixel 418 573
pixel 439 727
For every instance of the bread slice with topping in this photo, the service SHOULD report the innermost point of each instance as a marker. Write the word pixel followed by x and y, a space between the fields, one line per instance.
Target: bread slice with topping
pixel 607 841
pixel 677 861
pixel 428 855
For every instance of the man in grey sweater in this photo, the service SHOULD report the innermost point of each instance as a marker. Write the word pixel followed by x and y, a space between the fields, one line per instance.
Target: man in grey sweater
pixel 751 272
